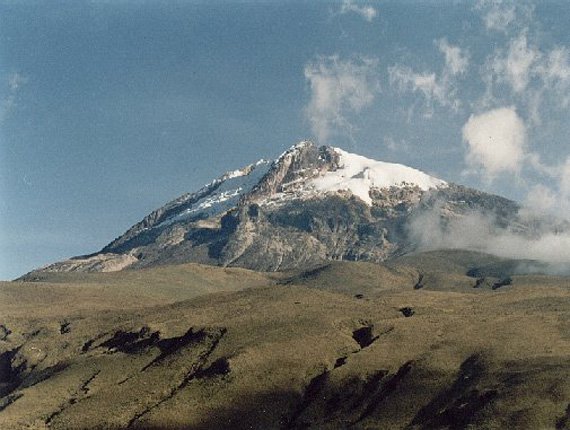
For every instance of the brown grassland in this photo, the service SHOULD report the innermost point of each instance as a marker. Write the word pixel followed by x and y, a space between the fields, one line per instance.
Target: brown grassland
pixel 411 344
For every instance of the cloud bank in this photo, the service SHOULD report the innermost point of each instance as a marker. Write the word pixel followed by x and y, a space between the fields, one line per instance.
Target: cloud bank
pixel 480 232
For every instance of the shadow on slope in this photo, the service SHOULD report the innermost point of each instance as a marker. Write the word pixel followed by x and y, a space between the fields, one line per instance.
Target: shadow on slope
pixel 413 396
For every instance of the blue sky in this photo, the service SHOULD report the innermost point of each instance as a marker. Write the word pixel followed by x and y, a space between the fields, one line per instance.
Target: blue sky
pixel 108 109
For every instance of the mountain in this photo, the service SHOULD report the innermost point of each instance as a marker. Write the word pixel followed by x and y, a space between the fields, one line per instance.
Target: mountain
pixel 444 339
pixel 310 205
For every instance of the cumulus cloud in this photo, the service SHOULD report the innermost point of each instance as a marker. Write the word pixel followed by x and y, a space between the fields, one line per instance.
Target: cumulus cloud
pixel 366 12
pixel 435 88
pixel 338 89
pixel 496 141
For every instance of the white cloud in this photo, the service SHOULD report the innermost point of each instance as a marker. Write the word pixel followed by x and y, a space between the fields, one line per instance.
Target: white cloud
pixel 520 71
pixel 13 83
pixel 555 73
pixel 534 161
pixel 516 66
pixel 405 79
pixel 15 80
pixel 557 66
pixel 435 89
pixel 564 184
pixel 539 200
pixel 366 12
pixel 505 15
pixel 553 199
pixel 456 60
pixel 527 75
pixel 498 14
pixel 396 145
pixel 519 63
pixel 338 88
pixel 480 232
pixel 496 141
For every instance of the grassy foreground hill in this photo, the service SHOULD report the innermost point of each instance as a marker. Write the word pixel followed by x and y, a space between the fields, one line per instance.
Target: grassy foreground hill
pixel 416 344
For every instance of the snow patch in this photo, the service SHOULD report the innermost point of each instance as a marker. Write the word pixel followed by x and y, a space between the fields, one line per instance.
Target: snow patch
pixel 359 174
pixel 226 195
pixel 294 149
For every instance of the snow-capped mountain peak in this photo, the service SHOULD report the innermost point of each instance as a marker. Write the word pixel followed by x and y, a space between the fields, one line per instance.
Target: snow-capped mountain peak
pixel 359 175
pixel 306 172
pixel 302 172
pixel 310 205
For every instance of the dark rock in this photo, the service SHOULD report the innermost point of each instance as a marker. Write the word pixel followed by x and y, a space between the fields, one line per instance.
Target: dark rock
pixel 8 400
pixel 502 282
pixel 341 361
pixel 563 422
pixel 4 332
pixel 87 345
pixel 419 285
pixel 131 342
pixel 11 371
pixel 219 367
pixel 173 345
pixel 364 336
pixel 64 327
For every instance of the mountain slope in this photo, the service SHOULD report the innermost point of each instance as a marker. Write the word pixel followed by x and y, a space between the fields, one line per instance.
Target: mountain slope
pixel 309 206
pixel 350 345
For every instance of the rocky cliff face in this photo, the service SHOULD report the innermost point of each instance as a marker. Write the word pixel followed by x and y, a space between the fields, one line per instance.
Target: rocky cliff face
pixel 308 206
